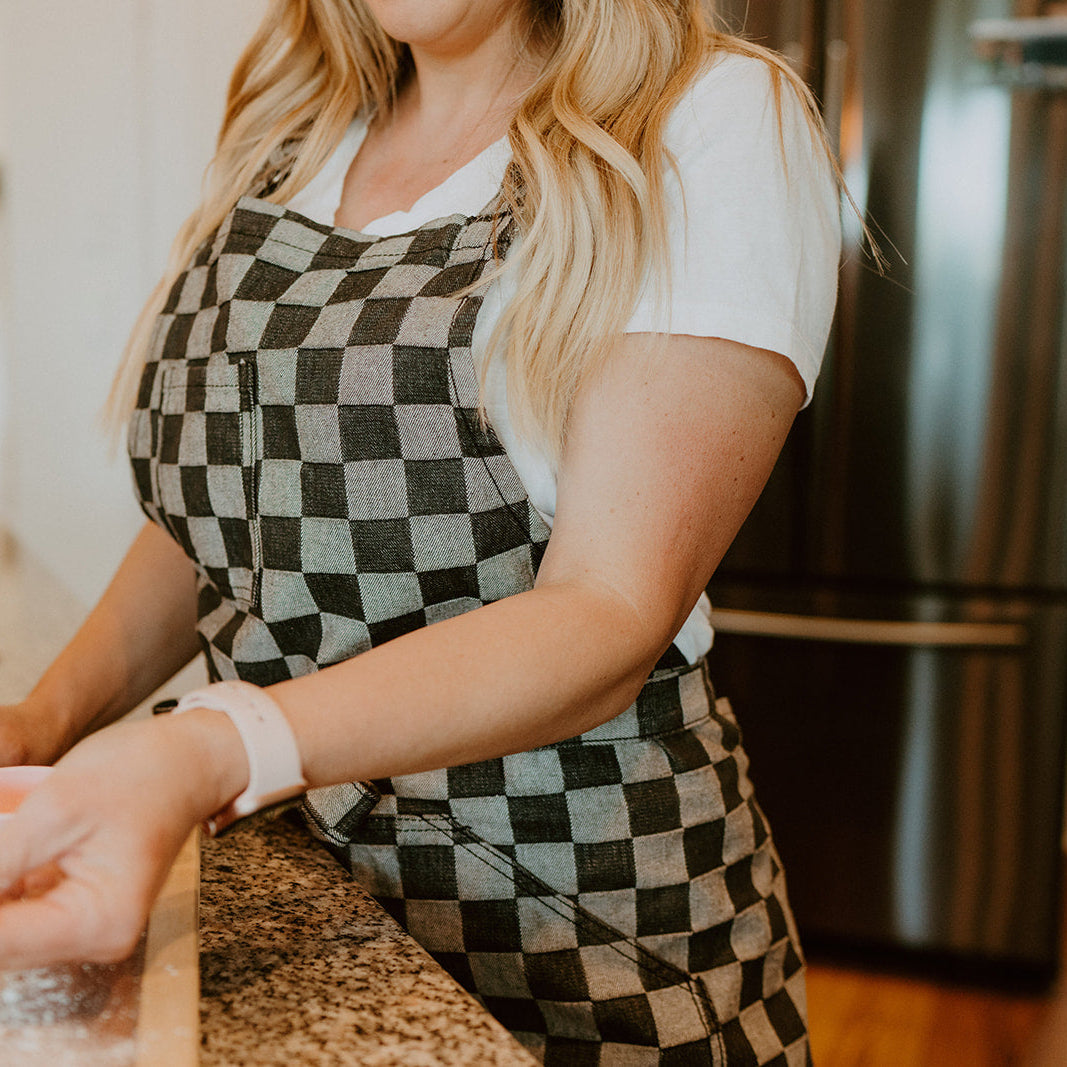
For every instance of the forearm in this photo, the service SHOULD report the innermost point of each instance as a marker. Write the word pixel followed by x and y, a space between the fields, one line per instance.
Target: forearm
pixel 526 671
pixel 140 633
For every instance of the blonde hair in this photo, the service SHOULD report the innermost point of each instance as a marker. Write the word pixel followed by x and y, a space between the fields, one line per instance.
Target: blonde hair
pixel 585 187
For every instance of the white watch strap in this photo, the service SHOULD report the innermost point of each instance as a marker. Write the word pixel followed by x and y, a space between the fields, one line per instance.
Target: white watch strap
pixel 275 773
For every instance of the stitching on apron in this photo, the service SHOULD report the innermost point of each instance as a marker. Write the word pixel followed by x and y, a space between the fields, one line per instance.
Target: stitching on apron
pixel 367 239
pixel 503 239
pixel 579 742
pixel 714 1030
pixel 246 370
pixel 331 256
pixel 161 373
pixel 567 909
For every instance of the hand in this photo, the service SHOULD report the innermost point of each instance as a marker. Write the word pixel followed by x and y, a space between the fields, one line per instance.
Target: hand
pixel 88 851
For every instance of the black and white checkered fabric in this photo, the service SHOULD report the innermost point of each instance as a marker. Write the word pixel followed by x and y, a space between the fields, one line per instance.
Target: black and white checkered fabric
pixel 307 430
pixel 612 899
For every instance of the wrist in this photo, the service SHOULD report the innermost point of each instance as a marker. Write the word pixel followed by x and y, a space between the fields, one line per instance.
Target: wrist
pixel 216 755
pixel 64 710
pixel 45 731
pixel 271 772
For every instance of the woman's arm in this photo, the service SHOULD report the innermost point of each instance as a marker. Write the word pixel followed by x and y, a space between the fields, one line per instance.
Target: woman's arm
pixel 140 633
pixel 665 457
pixel 666 454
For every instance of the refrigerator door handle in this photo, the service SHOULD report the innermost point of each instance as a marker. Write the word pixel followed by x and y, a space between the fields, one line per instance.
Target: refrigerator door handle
pixel 871 631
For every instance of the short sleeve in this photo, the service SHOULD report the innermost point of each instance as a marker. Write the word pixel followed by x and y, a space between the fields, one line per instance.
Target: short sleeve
pixel 753 220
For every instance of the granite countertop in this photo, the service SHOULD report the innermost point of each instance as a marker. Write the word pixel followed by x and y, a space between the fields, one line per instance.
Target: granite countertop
pixel 298 965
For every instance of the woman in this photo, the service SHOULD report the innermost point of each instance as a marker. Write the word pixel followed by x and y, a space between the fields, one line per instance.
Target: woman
pixel 568 270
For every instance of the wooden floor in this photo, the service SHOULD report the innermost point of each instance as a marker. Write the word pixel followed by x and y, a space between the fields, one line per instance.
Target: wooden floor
pixel 866 1019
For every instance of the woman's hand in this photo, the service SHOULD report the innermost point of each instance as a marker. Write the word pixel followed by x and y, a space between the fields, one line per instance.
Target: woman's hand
pixel 88 851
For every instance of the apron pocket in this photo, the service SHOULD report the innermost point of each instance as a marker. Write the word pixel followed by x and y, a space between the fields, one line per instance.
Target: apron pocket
pixel 542 961
pixel 335 813
pixel 204 469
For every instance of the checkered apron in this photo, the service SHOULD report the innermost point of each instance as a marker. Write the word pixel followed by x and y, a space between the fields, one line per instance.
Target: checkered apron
pixel 307 430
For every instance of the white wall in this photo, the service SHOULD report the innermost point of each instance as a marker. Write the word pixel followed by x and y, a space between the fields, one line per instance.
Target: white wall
pixel 4 264
pixel 111 112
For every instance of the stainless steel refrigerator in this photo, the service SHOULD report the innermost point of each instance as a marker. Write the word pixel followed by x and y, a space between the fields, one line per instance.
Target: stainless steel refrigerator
pixel 892 620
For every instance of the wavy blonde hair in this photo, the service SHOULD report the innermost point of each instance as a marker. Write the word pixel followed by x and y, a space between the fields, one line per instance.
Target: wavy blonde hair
pixel 586 185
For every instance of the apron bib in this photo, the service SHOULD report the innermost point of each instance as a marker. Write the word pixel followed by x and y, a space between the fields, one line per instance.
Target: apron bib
pixel 307 430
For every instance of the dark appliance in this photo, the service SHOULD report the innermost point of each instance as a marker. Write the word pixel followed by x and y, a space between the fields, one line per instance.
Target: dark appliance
pixel 891 623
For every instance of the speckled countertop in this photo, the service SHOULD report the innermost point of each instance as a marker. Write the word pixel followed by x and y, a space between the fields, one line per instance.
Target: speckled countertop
pixel 299 966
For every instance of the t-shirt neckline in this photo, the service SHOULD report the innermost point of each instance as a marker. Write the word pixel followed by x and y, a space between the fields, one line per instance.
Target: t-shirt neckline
pixel 465 191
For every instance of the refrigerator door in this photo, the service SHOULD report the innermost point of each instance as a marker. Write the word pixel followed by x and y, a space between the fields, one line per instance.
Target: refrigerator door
pixel 936 447
pixel 893 615
pixel 908 753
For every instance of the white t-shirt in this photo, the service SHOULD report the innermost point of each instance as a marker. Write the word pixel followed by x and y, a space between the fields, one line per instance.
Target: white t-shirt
pixel 754 251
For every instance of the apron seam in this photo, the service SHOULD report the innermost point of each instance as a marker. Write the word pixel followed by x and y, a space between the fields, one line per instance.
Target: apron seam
pixel 366 253
pixel 249 393
pixel 570 910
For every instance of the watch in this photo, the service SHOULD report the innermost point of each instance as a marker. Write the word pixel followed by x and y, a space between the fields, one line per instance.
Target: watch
pixel 275 771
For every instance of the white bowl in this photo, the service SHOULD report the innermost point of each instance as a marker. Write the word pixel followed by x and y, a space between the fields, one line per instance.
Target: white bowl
pixel 16 783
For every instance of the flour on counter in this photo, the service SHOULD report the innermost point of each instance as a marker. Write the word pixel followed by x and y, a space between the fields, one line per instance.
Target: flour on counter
pixel 82 1015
